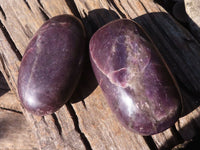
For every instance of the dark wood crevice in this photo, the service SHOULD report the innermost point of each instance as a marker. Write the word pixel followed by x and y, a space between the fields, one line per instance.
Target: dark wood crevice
pixel 72 6
pixel 2 12
pixel 111 2
pixel 57 124
pixel 44 15
pixel 133 9
pixel 40 4
pixel 150 142
pixel 42 11
pixel 176 134
pixel 6 72
pixel 27 4
pixel 143 6
pixel 11 110
pixel 77 128
pixel 26 30
pixel 4 87
pixel 10 41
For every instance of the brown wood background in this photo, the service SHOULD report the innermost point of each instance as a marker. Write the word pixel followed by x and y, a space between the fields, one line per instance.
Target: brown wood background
pixel 86 122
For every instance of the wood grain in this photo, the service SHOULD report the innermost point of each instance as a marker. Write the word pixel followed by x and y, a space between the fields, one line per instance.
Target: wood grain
pixel 15 132
pixel 87 122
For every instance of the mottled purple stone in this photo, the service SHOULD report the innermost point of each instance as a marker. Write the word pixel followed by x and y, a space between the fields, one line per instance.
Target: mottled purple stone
pixel 51 65
pixel 135 80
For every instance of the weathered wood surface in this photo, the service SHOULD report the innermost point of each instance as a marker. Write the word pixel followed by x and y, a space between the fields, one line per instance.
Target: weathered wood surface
pixel 87 122
pixel 15 133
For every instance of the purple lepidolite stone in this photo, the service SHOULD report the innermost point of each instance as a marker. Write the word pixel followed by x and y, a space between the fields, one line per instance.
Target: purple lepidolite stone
pixel 51 65
pixel 134 78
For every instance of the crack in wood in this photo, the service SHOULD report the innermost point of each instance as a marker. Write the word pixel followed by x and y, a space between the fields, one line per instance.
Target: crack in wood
pixel 143 6
pixel 25 29
pixel 57 124
pixel 150 142
pixel 132 8
pixel 118 10
pixel 176 134
pixel 39 2
pixel 45 16
pixel 3 13
pixel 6 72
pixel 4 85
pixel 42 11
pixel 11 110
pixel 124 9
pixel 4 66
pixel 72 6
pixel 76 125
pixel 10 41
pixel 43 118
pixel 84 105
pixel 27 4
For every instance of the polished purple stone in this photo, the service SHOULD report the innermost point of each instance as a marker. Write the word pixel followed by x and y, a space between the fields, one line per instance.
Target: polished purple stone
pixel 51 65
pixel 134 78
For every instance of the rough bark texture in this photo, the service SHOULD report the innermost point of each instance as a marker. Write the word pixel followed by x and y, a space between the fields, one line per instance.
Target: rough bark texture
pixel 87 122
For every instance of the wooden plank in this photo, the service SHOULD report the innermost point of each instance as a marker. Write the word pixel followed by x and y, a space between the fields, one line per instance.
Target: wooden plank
pixel 20 22
pixel 13 42
pixel 155 20
pixel 9 101
pixel 52 8
pixel 15 132
pixel 88 123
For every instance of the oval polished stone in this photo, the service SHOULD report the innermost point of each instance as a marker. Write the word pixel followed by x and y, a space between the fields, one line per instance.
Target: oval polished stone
pixel 51 65
pixel 134 78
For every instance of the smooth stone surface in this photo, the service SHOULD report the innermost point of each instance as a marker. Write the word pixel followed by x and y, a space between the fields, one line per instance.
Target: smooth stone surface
pixel 134 79
pixel 51 65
